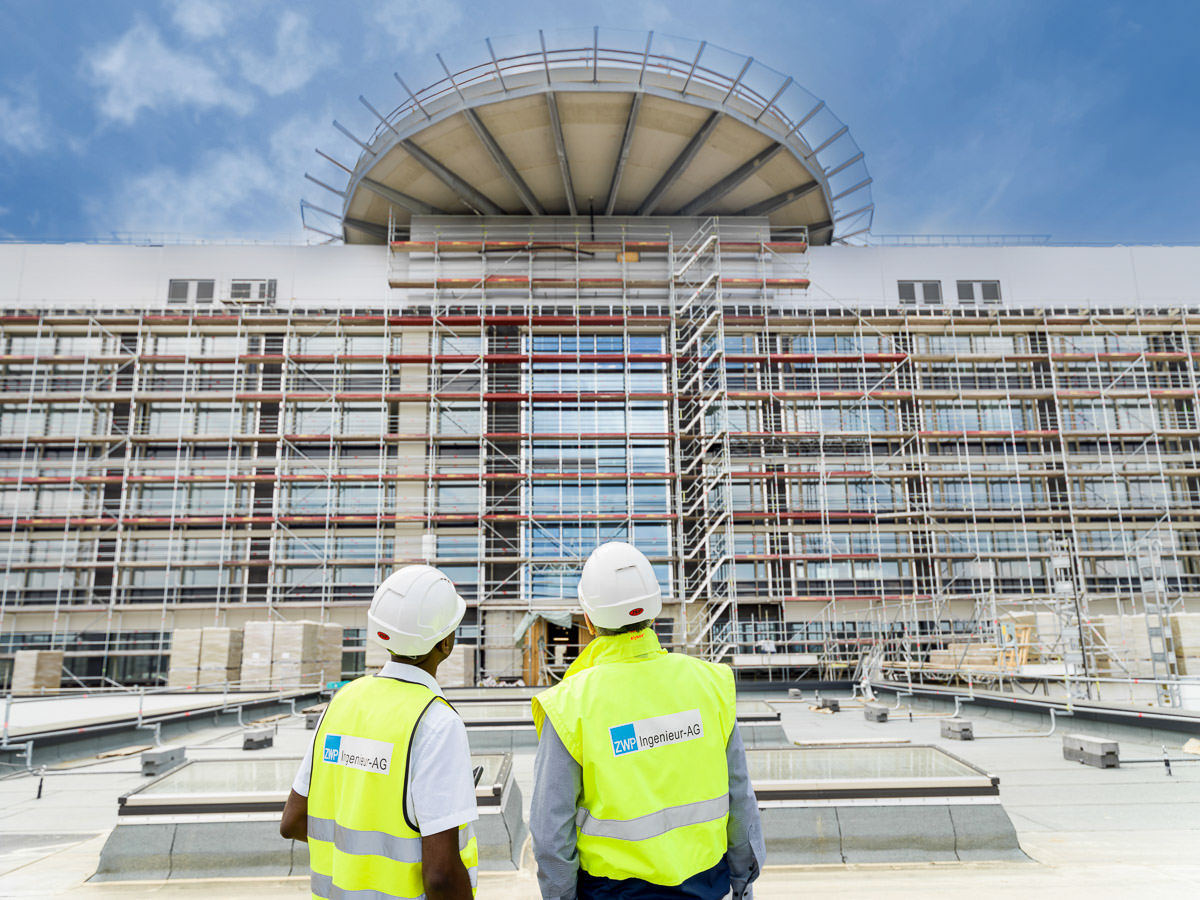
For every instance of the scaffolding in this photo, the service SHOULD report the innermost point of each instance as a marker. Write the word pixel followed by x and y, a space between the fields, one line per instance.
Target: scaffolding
pixel 978 494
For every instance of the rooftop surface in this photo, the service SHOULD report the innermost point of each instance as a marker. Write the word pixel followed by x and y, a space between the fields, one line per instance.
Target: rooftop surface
pixel 1095 832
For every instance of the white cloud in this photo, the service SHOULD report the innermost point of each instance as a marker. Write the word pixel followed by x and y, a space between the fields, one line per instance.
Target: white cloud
pixel 139 72
pixel 417 24
pixel 21 124
pixel 202 19
pixel 296 58
pixel 243 191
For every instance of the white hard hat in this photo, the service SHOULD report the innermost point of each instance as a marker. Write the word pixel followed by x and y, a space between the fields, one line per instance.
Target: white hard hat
pixel 413 609
pixel 618 586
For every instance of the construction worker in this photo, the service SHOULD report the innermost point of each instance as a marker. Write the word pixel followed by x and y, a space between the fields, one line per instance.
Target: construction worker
pixel 385 797
pixel 640 781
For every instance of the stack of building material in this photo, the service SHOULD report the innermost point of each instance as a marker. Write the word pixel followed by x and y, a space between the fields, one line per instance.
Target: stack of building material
pixel 969 655
pixel 257 650
pixel 220 656
pixel 296 655
pixel 183 666
pixel 1185 629
pixel 459 668
pixel 1129 643
pixel 36 671
pixel 331 652
pixel 1044 644
pixel 377 656
pixel 941 659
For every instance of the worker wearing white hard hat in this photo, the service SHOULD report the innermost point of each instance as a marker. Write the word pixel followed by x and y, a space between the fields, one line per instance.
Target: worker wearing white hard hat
pixel 385 797
pixel 640 780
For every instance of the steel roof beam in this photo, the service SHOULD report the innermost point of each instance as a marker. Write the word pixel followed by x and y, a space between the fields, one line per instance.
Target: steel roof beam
pixel 469 194
pixel 681 162
pixel 729 182
pixel 412 204
pixel 371 229
pixel 623 153
pixel 768 206
pixel 504 163
pixel 560 147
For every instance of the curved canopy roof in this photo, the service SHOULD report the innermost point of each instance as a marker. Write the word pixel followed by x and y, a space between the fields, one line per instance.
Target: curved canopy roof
pixel 606 123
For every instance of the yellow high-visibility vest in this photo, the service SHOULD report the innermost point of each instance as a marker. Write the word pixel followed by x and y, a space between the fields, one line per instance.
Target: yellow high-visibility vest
pixel 649 729
pixel 359 835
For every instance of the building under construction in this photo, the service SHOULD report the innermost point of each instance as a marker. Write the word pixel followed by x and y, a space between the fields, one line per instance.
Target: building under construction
pixel 611 289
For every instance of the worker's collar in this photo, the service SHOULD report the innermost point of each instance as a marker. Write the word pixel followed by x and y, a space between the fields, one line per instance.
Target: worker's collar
pixel 614 648
pixel 405 672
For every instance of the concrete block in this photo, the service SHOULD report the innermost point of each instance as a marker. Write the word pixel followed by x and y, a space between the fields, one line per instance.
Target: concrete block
pixel 258 738
pixel 795 694
pixel 1099 752
pixel 155 762
pixel 984 831
pixel 312 720
pixel 136 852
pixel 875 713
pixel 956 729
pixel 826 703
pixel 890 834
pixel 799 835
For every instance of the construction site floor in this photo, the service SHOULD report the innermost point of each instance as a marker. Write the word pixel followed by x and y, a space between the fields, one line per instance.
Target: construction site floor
pixel 1097 832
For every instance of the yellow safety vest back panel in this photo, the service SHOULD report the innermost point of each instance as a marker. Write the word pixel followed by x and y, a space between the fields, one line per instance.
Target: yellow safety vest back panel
pixel 360 841
pixel 649 730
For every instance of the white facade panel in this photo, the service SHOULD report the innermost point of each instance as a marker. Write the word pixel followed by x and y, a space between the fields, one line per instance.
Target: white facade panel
pixel 1104 277
pixel 81 276
pixel 108 276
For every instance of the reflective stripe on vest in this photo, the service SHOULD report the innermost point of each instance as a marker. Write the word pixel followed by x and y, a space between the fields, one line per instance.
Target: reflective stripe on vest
pixel 653 824
pixel 649 730
pixel 323 886
pixel 361 843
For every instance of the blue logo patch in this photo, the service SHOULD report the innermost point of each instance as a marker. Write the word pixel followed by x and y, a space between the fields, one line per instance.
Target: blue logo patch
pixel 624 739
pixel 333 747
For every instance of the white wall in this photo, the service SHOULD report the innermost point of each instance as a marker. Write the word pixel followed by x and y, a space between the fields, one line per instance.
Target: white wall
pixel 82 276
pixel 107 276
pixel 1028 276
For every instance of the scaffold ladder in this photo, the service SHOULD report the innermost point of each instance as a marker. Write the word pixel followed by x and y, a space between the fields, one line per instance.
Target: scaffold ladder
pixel 1158 623
pixel 706 569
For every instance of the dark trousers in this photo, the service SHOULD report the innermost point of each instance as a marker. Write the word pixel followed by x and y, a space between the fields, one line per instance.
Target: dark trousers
pixel 712 884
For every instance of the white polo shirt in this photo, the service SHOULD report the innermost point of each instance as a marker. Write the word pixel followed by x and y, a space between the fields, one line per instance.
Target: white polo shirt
pixel 441 788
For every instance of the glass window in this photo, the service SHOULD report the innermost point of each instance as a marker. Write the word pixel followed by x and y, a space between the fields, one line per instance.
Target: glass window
pixel 645 343
pixel 459 418
pixel 363 419
pixel 458 498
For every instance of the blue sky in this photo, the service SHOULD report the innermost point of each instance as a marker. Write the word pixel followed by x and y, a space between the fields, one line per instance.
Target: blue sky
pixel 199 117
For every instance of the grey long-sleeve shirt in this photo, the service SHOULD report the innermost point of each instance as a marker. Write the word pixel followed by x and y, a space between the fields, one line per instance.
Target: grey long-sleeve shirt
pixel 558 785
